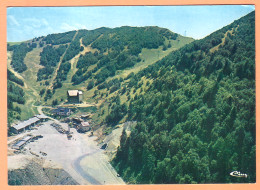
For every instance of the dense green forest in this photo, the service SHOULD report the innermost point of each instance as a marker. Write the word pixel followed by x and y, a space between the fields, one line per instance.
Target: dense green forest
pixel 135 38
pixel 50 56
pixel 196 119
pixel 19 53
pixel 13 78
pixel 61 38
pixel 15 96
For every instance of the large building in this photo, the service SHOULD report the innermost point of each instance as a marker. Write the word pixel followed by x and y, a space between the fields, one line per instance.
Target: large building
pixel 28 124
pixel 74 96
pixel 25 125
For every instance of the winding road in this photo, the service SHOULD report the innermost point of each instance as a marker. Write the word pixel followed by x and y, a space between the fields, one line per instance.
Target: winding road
pixel 76 165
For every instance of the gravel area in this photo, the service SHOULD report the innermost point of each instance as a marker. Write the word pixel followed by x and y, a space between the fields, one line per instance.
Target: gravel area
pixel 80 156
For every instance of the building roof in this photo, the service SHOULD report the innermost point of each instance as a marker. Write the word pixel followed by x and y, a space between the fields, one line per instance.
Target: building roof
pixel 85 124
pixel 85 115
pixel 73 92
pixel 60 109
pixel 26 123
pixel 42 116
pixel 26 138
pixel 19 144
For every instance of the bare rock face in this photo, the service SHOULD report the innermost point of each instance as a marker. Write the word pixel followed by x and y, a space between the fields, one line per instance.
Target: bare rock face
pixel 35 174
pixel 112 141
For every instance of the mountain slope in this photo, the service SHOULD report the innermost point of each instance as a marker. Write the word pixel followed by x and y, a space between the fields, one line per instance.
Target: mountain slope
pixel 85 59
pixel 195 112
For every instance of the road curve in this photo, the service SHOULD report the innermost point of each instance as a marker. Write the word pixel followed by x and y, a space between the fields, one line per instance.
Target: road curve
pixel 78 168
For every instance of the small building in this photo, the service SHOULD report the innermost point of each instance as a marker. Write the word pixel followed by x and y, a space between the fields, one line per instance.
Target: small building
pixel 83 127
pixel 20 144
pixel 85 124
pixel 25 125
pixel 75 96
pixel 62 111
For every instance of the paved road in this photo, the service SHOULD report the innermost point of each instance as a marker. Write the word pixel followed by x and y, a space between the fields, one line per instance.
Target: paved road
pixel 80 170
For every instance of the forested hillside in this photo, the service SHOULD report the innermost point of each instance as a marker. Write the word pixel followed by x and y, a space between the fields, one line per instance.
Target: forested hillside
pixel 117 49
pixel 112 50
pixel 19 53
pixel 50 57
pixel 85 59
pixel 195 112
pixel 15 96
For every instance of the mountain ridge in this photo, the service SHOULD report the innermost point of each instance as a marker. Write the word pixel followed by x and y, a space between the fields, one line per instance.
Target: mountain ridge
pixel 47 51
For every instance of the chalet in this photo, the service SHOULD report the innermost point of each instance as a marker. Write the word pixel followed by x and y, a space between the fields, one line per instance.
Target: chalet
pixel 74 96
pixel 62 111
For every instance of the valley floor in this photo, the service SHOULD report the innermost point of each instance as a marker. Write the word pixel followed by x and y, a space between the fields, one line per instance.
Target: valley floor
pixel 80 157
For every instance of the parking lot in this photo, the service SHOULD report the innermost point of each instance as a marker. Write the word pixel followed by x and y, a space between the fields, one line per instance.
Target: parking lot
pixel 80 156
